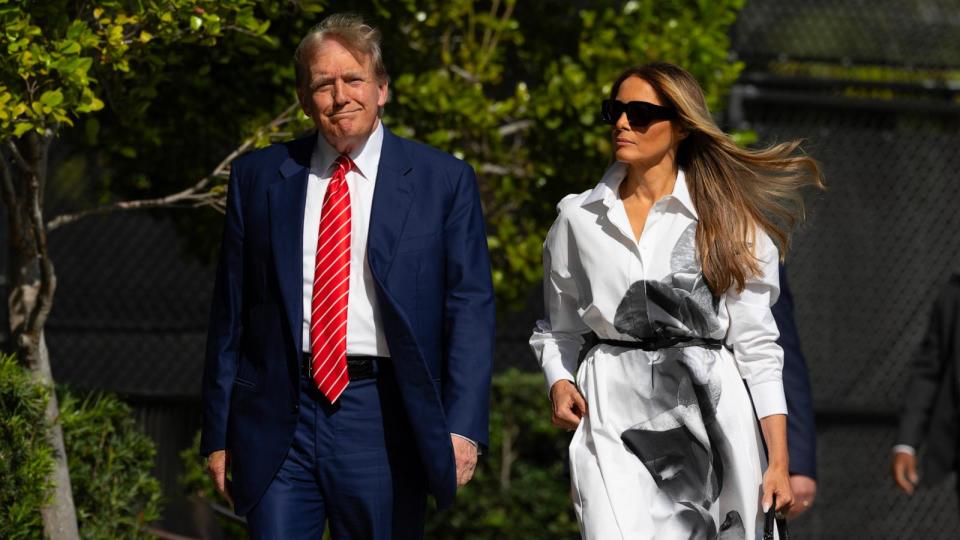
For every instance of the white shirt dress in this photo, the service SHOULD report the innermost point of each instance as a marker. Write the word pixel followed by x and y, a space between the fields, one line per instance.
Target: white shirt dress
pixel 670 446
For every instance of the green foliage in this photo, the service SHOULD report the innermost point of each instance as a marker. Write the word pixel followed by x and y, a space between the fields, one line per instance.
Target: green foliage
pixel 54 49
pixel 26 458
pixel 520 489
pixel 110 461
pixel 514 87
pixel 110 467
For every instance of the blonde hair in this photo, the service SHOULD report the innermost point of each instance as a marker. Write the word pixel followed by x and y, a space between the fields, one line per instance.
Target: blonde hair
pixel 734 190
pixel 353 33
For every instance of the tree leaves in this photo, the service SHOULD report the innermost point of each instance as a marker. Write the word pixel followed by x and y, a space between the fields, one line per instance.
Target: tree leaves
pixel 52 48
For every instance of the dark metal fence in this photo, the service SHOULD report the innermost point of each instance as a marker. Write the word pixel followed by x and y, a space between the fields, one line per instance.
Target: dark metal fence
pixel 865 269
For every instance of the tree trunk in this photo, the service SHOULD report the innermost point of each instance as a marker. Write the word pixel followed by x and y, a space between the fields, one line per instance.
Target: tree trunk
pixel 60 516
pixel 32 283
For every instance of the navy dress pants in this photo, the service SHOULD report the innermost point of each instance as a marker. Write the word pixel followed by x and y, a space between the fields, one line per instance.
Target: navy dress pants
pixel 351 465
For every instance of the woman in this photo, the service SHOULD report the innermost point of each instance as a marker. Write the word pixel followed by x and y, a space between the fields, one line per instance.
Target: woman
pixel 669 261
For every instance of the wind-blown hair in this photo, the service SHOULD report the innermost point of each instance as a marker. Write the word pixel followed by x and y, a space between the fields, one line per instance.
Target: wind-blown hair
pixel 352 33
pixel 734 190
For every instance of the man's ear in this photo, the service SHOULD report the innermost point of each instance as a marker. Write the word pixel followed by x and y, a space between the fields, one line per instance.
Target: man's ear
pixel 305 104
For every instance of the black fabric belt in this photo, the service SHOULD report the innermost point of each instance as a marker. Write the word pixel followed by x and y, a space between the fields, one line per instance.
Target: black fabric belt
pixel 657 343
pixel 358 367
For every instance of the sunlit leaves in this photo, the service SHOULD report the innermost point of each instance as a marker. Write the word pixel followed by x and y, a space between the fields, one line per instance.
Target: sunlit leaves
pixel 50 49
pixel 514 88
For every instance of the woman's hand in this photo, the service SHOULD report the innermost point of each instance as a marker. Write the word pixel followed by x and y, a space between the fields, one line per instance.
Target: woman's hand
pixel 568 405
pixel 776 481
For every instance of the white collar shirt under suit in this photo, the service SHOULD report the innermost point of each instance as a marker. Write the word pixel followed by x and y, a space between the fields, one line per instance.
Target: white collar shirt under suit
pixel 592 259
pixel 364 326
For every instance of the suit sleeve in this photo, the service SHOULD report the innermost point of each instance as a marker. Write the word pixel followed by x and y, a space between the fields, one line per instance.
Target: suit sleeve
pixel 926 372
pixel 469 314
pixel 801 432
pixel 225 328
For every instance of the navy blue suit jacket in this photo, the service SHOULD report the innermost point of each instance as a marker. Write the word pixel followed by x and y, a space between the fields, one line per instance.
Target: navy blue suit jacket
pixel 801 435
pixel 427 251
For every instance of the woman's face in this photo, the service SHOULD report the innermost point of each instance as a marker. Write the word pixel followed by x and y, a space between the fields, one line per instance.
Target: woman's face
pixel 643 145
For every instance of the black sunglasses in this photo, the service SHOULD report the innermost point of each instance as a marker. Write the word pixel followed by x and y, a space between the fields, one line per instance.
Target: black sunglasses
pixel 639 113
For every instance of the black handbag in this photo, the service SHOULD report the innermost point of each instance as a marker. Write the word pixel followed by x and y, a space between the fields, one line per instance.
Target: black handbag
pixel 769 519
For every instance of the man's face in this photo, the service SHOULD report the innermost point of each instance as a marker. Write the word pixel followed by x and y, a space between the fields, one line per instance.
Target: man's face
pixel 341 94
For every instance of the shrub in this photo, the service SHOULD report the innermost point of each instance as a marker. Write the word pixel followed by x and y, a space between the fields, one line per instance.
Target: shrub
pixel 109 458
pixel 110 467
pixel 26 457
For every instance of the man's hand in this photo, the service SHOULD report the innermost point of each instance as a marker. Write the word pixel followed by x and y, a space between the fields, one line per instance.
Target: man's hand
pixel 904 469
pixel 465 453
pixel 568 405
pixel 217 464
pixel 804 492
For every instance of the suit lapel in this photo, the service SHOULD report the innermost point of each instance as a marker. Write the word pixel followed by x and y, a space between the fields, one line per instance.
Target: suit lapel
pixel 287 200
pixel 391 204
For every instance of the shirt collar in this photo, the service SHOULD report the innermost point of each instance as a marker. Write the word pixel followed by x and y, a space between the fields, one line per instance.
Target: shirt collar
pixel 365 157
pixel 606 190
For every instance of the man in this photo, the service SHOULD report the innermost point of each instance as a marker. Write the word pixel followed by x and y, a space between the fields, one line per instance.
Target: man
pixel 351 336
pixel 930 410
pixel 801 435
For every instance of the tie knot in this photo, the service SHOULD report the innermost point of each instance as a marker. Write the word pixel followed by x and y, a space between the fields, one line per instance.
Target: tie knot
pixel 344 164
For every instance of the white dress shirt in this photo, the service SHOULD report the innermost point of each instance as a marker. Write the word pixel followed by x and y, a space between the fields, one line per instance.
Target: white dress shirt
pixel 593 258
pixel 364 325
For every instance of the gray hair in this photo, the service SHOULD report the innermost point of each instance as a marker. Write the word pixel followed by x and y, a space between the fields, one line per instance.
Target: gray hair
pixel 350 30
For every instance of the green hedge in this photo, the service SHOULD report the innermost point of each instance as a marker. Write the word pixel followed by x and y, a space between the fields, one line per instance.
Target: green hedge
pixel 520 490
pixel 110 467
pixel 109 458
pixel 26 458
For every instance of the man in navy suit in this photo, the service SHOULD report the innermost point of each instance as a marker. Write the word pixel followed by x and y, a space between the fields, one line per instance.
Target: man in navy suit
pixel 801 436
pixel 411 286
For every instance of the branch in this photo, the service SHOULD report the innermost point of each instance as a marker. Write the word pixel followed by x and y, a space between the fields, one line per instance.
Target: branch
pixel 48 280
pixel 501 170
pixel 469 77
pixel 509 129
pixel 9 192
pixel 195 195
pixel 19 157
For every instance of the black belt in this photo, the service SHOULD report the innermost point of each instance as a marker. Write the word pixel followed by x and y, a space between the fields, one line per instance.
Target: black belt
pixel 657 343
pixel 358 367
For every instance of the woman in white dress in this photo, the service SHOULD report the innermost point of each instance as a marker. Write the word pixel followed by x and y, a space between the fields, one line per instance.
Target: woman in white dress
pixel 669 264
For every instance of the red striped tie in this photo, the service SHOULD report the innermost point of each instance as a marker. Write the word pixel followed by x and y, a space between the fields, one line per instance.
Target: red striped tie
pixel 331 287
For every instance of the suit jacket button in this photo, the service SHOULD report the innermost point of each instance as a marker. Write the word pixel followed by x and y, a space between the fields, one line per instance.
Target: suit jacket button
pixel 295 408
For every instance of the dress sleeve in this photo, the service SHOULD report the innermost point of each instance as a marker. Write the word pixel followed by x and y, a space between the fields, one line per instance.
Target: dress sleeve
pixel 753 332
pixel 557 338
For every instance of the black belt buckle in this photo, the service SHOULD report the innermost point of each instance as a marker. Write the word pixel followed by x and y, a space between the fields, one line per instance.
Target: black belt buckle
pixel 358 367
pixel 361 367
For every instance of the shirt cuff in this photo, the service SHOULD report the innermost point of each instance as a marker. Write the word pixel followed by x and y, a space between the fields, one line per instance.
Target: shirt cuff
pixel 768 398
pixel 555 371
pixel 469 440
pixel 904 449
